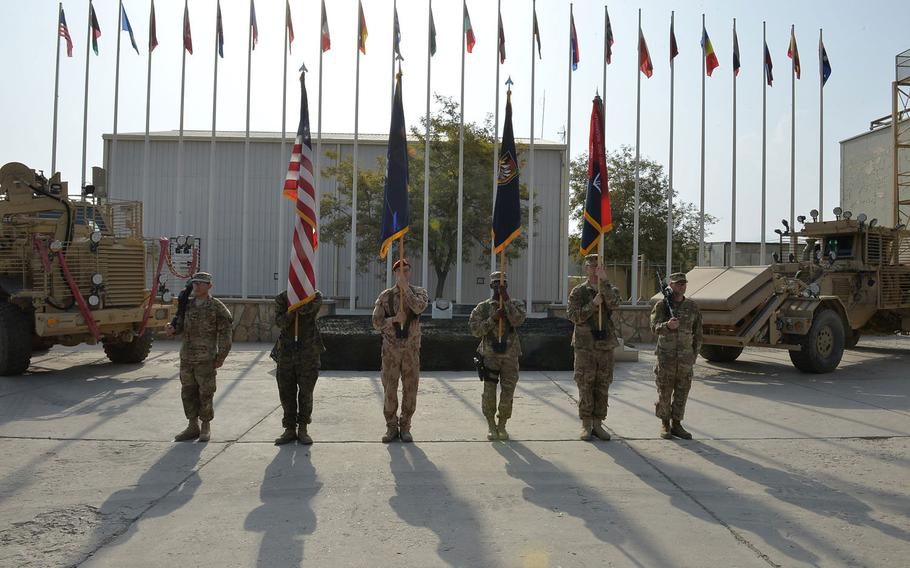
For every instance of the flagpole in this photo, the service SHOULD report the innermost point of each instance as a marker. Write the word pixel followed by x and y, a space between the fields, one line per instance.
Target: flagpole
pixel 564 225
pixel 530 255
pixel 388 258
pixel 352 292
pixel 634 265
pixel 179 195
pixel 424 258
pixel 56 93
pixel 317 173
pixel 764 139
pixel 245 225
pixel 210 217
pixel 458 251
pixel 496 129
pixel 793 142
pixel 669 262
pixel 701 207
pixel 111 166
pixel 821 130
pixel 88 41
pixel 145 142
pixel 733 215
pixel 604 90
pixel 282 239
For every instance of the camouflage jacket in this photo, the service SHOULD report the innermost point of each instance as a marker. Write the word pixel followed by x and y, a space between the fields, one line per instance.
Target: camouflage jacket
pixel 683 342
pixel 207 331
pixel 309 340
pixel 583 313
pixel 485 325
pixel 385 308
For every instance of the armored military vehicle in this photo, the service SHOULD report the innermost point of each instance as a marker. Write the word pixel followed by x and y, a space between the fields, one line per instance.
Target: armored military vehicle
pixel 73 271
pixel 830 282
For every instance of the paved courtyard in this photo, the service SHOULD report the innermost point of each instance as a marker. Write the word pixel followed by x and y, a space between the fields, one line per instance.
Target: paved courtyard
pixel 786 469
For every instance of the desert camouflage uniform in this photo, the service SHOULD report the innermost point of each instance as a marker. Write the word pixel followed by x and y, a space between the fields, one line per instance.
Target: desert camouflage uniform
pixel 484 324
pixel 400 356
pixel 207 334
pixel 593 358
pixel 298 361
pixel 676 352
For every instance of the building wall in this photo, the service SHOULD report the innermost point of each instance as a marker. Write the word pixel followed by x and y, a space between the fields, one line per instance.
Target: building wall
pixel 270 217
pixel 866 181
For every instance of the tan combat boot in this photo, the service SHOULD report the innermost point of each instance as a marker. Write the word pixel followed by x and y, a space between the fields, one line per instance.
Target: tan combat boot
pixel 680 432
pixel 302 435
pixel 503 435
pixel 391 432
pixel 493 432
pixel 288 436
pixel 665 430
pixel 585 430
pixel 599 431
pixel 405 435
pixel 205 433
pixel 190 433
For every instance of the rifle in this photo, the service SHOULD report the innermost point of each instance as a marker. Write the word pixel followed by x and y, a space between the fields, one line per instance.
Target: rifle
pixel 183 299
pixel 667 293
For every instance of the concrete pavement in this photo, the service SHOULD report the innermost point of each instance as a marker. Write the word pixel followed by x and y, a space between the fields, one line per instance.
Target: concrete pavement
pixel 787 469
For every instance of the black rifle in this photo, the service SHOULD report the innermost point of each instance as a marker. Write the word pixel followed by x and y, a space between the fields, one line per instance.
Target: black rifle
pixel 483 373
pixel 183 299
pixel 667 293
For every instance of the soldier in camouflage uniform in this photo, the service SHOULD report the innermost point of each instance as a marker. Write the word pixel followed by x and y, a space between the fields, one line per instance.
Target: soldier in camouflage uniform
pixel 501 363
pixel 594 346
pixel 207 334
pixel 297 352
pixel 678 340
pixel 400 355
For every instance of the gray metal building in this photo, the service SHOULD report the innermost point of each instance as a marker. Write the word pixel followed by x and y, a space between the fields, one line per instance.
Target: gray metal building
pixel 270 216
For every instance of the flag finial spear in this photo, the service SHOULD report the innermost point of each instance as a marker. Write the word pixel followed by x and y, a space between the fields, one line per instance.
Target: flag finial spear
pixel 303 68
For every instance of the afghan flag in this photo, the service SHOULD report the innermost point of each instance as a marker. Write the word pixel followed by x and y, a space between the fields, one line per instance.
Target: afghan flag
pixel 711 62
pixel 326 39
pixel 468 30
pixel 96 29
pixel 502 42
pixel 793 52
pixel 395 208
pixel 644 57
pixel 126 27
pixel 608 45
pixel 735 54
pixel 507 209
pixel 573 43
pixel 674 49
pixel 769 75
pixel 598 219
pixel 289 24
pixel 362 32
pixel 153 29
pixel 64 32
pixel 824 64
pixel 187 32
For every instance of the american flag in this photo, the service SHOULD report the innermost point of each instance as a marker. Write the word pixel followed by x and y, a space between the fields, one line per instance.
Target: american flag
pixel 64 32
pixel 299 186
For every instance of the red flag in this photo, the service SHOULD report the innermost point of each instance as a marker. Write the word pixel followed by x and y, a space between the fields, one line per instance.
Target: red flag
pixel 326 40
pixel 289 23
pixel 153 30
pixel 644 58
pixel 598 218
pixel 187 33
pixel 674 49
pixel 793 53
pixel 469 30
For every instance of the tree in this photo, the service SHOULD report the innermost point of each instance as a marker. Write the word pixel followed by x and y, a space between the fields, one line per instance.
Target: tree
pixel 652 223
pixel 443 217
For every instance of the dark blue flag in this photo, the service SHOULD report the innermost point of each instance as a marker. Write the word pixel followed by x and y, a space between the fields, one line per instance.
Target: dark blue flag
pixel 395 209
pixel 824 63
pixel 126 27
pixel 507 210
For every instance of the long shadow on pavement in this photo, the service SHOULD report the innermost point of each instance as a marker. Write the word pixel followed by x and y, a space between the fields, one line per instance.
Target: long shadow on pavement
pixel 423 498
pixel 288 487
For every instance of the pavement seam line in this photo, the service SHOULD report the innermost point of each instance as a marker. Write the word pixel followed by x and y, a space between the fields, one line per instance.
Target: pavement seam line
pixel 736 535
pixel 154 502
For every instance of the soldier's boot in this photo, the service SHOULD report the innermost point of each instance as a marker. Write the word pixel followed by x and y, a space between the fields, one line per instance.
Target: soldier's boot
pixel 599 431
pixel 205 433
pixel 493 431
pixel 503 435
pixel 288 436
pixel 405 435
pixel 302 435
pixel 586 427
pixel 391 432
pixel 680 432
pixel 665 430
pixel 191 432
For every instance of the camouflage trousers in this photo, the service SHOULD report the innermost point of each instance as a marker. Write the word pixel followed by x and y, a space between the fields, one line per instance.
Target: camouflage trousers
pixel 674 379
pixel 404 364
pixel 593 376
pixel 507 369
pixel 197 390
pixel 296 381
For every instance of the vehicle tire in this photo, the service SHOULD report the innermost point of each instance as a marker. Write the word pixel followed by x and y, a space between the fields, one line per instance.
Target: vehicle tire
pixel 134 351
pixel 720 353
pixel 15 340
pixel 823 346
pixel 852 338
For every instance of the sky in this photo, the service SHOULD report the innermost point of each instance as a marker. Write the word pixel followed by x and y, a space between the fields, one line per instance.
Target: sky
pixel 861 39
